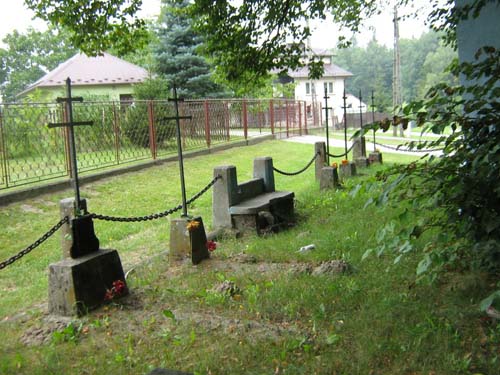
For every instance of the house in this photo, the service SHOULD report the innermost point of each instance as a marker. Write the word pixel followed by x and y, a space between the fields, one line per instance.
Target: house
pixel 103 77
pixel 313 91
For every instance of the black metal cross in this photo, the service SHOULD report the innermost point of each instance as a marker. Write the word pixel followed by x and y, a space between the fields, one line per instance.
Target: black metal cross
pixel 326 97
pixel 373 121
pixel 177 119
pixel 360 111
pixel 68 100
pixel 345 123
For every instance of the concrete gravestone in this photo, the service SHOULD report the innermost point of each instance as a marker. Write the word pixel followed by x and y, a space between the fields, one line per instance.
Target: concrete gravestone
pixel 359 152
pixel 253 205
pixel 81 281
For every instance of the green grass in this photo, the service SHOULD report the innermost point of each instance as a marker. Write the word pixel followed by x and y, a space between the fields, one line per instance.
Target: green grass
pixel 372 320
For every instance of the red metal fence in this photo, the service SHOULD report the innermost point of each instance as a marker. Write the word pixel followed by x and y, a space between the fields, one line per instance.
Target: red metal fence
pixel 30 152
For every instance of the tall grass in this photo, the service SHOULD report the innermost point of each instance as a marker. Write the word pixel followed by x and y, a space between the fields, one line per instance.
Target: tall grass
pixel 373 319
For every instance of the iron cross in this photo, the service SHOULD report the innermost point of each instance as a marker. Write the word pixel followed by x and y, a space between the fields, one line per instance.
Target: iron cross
pixel 373 120
pixel 68 100
pixel 326 97
pixel 177 119
pixel 345 123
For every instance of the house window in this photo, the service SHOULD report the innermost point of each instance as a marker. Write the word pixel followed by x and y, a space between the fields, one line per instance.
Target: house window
pixel 308 88
pixel 126 98
pixel 328 87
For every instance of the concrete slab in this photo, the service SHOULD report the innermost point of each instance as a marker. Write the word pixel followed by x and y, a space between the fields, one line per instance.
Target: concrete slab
pixel 259 203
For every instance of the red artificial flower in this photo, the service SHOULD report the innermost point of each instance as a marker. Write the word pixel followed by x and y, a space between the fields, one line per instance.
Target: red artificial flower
pixel 119 287
pixel 109 295
pixel 211 245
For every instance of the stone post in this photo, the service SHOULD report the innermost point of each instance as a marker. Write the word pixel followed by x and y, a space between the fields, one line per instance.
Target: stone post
pixel 67 208
pixel 359 152
pixel 179 242
pixel 329 178
pixel 359 149
pixel 225 195
pixel 375 157
pixel 263 168
pixel 320 159
pixel 348 170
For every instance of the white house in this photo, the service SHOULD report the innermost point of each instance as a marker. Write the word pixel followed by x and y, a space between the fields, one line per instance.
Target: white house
pixel 313 91
pixel 352 104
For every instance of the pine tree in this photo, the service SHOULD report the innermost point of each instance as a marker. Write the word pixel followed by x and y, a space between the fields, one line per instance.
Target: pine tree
pixel 177 57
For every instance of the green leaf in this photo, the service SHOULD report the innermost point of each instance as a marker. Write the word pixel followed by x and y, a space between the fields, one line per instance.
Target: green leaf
pixel 424 264
pixel 367 254
pixel 333 339
pixel 488 301
pixel 168 314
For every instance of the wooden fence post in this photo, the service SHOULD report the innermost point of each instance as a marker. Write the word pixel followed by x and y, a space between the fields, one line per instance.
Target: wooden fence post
pixel 245 119
pixel 5 169
pixel 152 132
pixel 207 123
pixel 287 119
pixel 297 104
pixel 227 120
pixel 116 132
pixel 271 115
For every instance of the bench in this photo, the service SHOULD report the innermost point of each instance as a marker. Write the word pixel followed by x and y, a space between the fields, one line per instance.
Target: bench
pixel 253 205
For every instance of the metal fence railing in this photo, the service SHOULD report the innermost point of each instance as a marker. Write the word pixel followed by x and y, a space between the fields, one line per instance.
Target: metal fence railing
pixel 124 132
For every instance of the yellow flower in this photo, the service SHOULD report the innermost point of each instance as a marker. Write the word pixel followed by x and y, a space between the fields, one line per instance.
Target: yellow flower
pixel 192 225
pixel 334 165
pixel 345 162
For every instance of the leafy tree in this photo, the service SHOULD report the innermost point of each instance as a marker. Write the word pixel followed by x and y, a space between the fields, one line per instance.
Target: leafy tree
pixel 372 69
pixel 459 192
pixel 27 57
pixel 413 55
pixel 249 40
pixel 95 26
pixel 177 57
pixel 434 69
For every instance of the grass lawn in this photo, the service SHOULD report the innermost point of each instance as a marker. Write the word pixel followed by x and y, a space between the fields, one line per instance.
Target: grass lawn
pixel 373 319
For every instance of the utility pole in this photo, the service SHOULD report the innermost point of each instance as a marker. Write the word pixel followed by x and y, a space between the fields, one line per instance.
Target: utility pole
pixel 396 72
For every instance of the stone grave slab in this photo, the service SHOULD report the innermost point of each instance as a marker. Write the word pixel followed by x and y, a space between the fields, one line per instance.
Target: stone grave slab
pixel 329 178
pixel 362 162
pixel 79 285
pixel 375 157
pixel 348 170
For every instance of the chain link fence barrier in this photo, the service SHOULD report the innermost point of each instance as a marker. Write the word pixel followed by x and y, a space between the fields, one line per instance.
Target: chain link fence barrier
pixel 398 148
pixel 35 244
pixel 298 172
pixel 158 215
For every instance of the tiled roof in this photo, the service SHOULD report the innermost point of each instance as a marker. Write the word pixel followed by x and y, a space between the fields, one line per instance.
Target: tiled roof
pixel 100 70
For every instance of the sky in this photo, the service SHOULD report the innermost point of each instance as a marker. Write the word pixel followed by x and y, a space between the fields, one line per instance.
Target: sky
pixel 14 15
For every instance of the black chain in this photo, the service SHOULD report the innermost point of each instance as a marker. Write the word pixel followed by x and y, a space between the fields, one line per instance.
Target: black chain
pixel 344 154
pixel 398 148
pixel 157 215
pixel 35 244
pixel 298 172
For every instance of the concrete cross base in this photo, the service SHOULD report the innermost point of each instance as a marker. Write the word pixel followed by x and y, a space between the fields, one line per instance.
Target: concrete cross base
pixel 79 285
pixel 362 162
pixel 329 178
pixel 375 157
pixel 188 239
pixel 348 170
